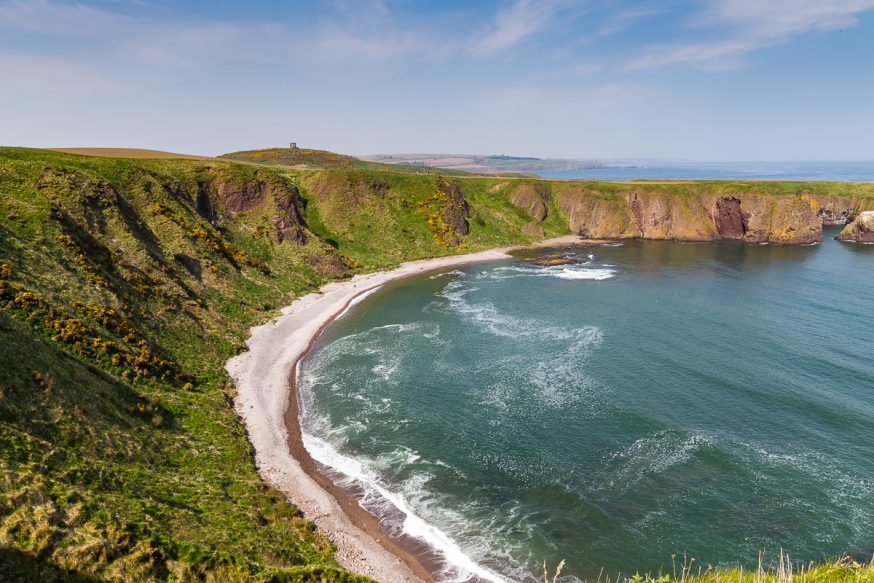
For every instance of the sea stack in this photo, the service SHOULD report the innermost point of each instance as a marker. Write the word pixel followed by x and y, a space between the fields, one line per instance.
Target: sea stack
pixel 861 230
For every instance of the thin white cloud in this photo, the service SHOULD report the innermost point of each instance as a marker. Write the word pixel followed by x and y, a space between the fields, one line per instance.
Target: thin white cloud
pixel 61 20
pixel 621 20
pixel 515 23
pixel 350 43
pixel 369 31
pixel 113 37
pixel 753 25
pixel 783 18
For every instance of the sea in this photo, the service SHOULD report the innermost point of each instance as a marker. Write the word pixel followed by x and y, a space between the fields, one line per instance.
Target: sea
pixel 679 170
pixel 651 405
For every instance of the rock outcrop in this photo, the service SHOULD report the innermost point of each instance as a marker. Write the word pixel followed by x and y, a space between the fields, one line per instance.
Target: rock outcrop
pixel 233 197
pixel 533 199
pixel 533 229
pixel 729 219
pixel 237 197
pixel 287 223
pixel 835 210
pixel 455 211
pixel 861 230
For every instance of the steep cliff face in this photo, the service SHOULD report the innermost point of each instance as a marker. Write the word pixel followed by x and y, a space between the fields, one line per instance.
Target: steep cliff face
pixel 861 230
pixel 455 211
pixel 835 210
pixel 533 198
pixel 785 220
pixel 596 216
pixel 688 215
pixel 233 197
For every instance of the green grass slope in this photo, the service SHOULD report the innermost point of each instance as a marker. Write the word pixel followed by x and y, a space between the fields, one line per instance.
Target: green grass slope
pixel 124 286
pixel 121 455
pixel 300 158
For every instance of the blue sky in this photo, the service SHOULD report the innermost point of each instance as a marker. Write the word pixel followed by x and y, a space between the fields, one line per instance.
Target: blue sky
pixel 706 80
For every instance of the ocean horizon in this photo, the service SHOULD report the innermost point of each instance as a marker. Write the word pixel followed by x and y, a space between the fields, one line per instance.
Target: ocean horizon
pixel 838 171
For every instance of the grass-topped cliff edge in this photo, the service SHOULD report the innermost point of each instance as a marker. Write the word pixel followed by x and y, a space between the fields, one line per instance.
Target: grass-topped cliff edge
pixel 125 285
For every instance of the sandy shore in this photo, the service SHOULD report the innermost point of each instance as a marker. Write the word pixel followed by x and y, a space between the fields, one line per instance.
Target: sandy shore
pixel 267 403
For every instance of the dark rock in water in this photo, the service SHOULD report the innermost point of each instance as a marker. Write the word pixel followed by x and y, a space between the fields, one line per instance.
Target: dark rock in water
pixel 556 259
pixel 861 230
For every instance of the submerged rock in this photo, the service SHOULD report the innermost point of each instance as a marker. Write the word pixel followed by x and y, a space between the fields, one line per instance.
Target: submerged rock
pixel 557 259
pixel 861 230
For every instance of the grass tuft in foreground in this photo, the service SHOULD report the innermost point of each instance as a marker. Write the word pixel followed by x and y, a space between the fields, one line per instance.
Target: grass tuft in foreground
pixel 783 570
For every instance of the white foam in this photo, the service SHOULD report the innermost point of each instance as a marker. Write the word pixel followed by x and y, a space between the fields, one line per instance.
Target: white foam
pixel 356 300
pixel 445 273
pixel 557 382
pixel 412 524
pixel 653 454
pixel 388 345
pixel 500 323
pixel 579 272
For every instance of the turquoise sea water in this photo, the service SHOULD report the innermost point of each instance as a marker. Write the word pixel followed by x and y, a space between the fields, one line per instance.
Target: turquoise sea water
pixel 664 170
pixel 660 398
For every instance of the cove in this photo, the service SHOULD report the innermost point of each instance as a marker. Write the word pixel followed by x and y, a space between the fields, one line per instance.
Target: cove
pixel 654 399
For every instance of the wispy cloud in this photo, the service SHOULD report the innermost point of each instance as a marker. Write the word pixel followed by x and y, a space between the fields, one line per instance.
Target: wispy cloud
pixel 752 25
pixel 372 31
pixel 61 20
pixel 622 19
pixel 515 23
pixel 114 36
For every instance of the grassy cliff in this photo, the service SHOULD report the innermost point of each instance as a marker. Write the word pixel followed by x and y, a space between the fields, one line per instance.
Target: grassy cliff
pixel 126 284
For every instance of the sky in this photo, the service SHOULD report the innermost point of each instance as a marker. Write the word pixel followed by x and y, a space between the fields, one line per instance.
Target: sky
pixel 697 79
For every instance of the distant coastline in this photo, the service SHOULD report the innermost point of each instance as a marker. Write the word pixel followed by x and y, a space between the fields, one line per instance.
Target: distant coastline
pixel 858 171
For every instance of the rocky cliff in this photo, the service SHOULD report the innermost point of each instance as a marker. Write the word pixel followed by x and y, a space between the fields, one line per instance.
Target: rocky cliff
pixel 533 198
pixel 860 230
pixel 700 212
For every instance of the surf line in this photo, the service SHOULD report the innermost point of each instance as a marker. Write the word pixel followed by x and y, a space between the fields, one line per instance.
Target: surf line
pixel 266 400
pixel 347 480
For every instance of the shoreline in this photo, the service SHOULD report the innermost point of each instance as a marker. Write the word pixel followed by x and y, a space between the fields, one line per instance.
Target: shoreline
pixel 267 401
